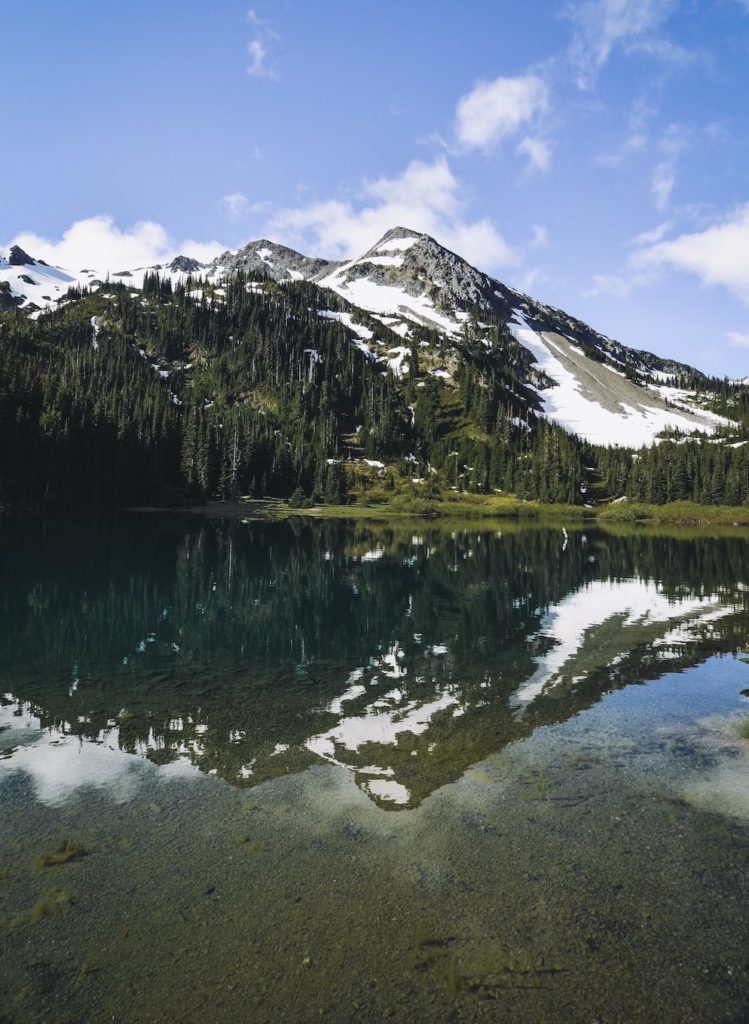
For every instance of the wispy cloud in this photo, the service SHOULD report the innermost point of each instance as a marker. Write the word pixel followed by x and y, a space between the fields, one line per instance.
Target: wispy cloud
pixel 540 237
pixel 258 48
pixel 537 151
pixel 530 280
pixel 662 184
pixel 235 205
pixel 669 52
pixel 654 235
pixel 425 197
pixel 602 25
pixel 641 115
pixel 675 140
pixel 619 285
pixel 635 142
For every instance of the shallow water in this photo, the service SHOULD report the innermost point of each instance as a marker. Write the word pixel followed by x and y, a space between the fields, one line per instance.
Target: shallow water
pixel 319 771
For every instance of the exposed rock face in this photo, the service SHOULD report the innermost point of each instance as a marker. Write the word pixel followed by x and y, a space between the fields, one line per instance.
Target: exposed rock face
pixel 7 299
pixel 18 258
pixel 277 261
pixel 185 265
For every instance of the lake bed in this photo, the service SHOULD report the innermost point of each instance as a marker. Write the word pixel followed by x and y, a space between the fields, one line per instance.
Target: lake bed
pixel 324 771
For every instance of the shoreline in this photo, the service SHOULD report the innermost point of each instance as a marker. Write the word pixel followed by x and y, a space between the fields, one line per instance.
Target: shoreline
pixel 477 508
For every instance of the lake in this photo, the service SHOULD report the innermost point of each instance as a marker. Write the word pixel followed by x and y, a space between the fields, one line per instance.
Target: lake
pixel 326 771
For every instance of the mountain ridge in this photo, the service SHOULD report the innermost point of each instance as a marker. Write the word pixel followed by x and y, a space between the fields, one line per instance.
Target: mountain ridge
pixel 476 288
pixel 405 368
pixel 590 384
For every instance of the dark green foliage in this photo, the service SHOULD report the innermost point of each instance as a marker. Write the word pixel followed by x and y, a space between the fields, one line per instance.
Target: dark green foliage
pixel 336 488
pixel 78 428
pixel 267 389
pixel 712 474
pixel 191 392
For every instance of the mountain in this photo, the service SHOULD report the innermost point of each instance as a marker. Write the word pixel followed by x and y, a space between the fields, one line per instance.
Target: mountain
pixel 265 369
pixel 592 386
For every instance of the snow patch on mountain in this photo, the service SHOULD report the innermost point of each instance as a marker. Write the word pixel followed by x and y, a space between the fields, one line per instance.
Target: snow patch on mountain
pixel 399 243
pixel 35 283
pixel 600 404
pixel 342 317
pixel 387 300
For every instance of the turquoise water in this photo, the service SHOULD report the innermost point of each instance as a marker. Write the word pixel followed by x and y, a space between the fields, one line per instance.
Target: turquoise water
pixel 320 771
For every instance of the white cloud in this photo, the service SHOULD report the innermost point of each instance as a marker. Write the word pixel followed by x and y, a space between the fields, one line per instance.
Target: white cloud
pixel 540 238
pixel 97 243
pixel 538 152
pixel 493 110
pixel 235 205
pixel 530 279
pixel 738 339
pixel 425 197
pixel 675 140
pixel 719 255
pixel 601 25
pixel 641 114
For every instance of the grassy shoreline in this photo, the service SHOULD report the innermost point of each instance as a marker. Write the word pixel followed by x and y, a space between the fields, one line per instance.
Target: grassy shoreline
pixel 484 507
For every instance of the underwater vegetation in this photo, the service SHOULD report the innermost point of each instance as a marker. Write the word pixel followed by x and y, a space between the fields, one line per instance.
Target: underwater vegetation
pixel 430 947
pixel 63 853
pixel 250 844
pixel 52 903
pixel 499 969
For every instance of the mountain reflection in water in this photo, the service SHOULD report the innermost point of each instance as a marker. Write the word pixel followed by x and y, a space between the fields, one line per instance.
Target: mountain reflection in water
pixel 252 650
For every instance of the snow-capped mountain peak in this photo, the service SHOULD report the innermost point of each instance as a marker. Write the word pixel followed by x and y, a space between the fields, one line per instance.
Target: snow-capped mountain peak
pixel 591 385
pixel 594 387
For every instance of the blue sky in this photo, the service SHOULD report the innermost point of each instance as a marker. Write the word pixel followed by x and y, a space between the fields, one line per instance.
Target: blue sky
pixel 592 152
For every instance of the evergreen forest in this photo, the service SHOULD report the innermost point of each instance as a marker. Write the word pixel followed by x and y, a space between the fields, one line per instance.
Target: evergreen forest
pixel 178 394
